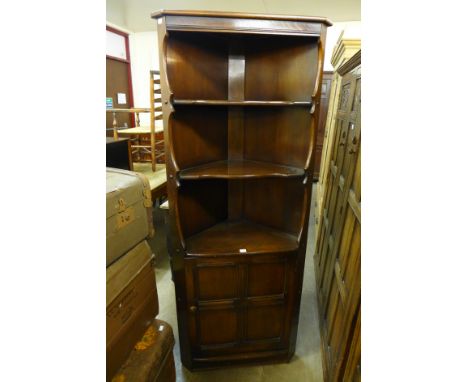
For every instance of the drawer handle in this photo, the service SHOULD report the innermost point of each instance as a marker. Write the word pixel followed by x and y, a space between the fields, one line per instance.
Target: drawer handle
pixel 193 308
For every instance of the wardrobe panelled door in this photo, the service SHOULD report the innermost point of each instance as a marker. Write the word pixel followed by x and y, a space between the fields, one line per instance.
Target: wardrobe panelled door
pixel 241 97
pixel 338 250
pixel 324 100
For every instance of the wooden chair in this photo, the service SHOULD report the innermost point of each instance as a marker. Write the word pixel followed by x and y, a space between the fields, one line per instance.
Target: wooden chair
pixel 138 133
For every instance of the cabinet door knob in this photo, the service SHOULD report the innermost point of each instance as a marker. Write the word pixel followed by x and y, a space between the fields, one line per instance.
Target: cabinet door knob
pixel 193 308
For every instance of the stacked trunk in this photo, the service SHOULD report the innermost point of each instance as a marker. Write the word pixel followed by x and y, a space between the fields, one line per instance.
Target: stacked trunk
pixel 131 295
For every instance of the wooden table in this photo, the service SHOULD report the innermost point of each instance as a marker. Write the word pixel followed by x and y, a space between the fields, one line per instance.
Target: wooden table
pixel 118 153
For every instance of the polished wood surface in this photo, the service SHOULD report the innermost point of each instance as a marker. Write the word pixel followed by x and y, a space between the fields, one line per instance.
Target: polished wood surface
pixel 324 100
pixel 240 169
pixel 234 237
pixel 251 314
pixel 240 98
pixel 239 15
pixel 202 102
pixel 338 249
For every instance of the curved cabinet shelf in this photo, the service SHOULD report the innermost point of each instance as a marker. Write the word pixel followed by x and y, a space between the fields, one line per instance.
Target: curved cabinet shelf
pixel 239 169
pixel 208 102
pixel 240 237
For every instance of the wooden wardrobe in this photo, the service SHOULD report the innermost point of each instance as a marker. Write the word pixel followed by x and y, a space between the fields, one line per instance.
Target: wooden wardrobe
pixel 338 249
pixel 346 47
pixel 327 78
pixel 241 95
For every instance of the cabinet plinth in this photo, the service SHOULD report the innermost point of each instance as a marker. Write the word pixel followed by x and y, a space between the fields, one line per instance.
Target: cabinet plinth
pixel 240 94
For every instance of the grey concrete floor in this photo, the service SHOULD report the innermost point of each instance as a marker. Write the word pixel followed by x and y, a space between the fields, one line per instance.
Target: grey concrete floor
pixel 306 365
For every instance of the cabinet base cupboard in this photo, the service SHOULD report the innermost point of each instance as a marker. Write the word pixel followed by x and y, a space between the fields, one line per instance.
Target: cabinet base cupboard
pixel 240 96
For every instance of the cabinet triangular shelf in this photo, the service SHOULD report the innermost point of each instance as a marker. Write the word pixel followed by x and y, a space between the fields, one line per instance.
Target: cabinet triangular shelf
pixel 240 237
pixel 213 102
pixel 239 169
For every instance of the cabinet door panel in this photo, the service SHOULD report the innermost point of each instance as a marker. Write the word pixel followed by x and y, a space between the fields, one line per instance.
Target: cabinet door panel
pixel 218 327
pixel 265 323
pixel 217 281
pixel 239 303
pixel 266 279
pixel 213 293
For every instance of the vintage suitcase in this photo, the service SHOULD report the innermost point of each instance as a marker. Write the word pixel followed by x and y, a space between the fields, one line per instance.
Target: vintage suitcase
pixel 129 217
pixel 152 359
pixel 131 303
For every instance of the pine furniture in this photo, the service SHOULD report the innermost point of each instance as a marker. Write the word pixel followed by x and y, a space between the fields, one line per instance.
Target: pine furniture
pixel 240 96
pixel 324 99
pixel 346 47
pixel 338 249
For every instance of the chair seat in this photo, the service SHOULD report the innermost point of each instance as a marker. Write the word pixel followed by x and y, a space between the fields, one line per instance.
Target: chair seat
pixel 141 130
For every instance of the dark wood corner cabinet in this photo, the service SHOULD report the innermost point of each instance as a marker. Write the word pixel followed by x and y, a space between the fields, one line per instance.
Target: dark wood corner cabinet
pixel 338 249
pixel 241 95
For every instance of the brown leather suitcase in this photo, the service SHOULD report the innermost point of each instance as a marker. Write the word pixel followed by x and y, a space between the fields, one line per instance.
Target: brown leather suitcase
pixel 131 303
pixel 129 218
pixel 152 359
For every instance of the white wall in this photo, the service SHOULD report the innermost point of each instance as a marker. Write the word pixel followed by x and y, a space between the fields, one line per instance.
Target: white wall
pixel 137 12
pixel 144 57
pixel 115 13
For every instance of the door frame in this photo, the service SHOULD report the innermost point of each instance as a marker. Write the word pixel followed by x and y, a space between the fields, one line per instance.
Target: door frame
pixel 129 66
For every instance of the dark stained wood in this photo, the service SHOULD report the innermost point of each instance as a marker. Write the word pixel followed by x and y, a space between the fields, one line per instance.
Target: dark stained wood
pixel 229 238
pixel 159 192
pixel 241 26
pixel 240 112
pixel 201 102
pixel 276 202
pixel 236 90
pixel 219 298
pixel 324 99
pixel 240 169
pixel 203 60
pixel 119 153
pixel 199 209
pixel 206 133
pixel 152 358
pixel 338 251
pixel 278 135
pixel 239 15
pixel 280 68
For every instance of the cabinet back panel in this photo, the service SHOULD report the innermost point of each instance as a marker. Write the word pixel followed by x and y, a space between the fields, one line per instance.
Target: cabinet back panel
pixel 280 67
pixel 277 203
pixel 199 209
pixel 197 137
pixel 197 65
pixel 278 134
